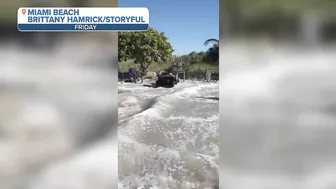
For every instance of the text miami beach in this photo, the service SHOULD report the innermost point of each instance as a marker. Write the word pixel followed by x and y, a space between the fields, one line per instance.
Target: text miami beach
pixel 83 19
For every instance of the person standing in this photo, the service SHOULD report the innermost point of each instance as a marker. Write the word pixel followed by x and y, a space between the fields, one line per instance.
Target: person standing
pixel 132 72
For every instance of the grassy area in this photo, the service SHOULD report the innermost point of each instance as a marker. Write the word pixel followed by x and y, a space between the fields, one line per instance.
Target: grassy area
pixel 155 67
pixel 204 66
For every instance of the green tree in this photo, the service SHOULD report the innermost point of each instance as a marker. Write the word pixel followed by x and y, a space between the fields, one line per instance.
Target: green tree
pixel 212 55
pixel 124 40
pixel 144 48
pixel 201 53
pixel 193 54
pixel 193 58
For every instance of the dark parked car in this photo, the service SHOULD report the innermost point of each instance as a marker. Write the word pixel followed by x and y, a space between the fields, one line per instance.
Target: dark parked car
pixel 165 79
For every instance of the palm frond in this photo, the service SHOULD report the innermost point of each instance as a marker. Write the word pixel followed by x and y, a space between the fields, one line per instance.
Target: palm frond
pixel 212 40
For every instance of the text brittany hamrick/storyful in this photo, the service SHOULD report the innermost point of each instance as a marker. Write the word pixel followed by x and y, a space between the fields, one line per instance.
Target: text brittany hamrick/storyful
pixel 73 16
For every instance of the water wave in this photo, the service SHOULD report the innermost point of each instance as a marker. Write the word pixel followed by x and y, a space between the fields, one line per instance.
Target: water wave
pixel 173 141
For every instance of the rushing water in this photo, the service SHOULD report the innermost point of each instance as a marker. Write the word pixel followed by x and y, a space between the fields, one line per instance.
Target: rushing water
pixel 277 116
pixel 168 138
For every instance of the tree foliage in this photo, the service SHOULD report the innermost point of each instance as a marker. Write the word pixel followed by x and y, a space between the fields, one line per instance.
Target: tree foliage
pixel 211 56
pixel 144 48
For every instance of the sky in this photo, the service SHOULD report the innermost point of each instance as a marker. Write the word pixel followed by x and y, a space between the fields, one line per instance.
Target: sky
pixel 187 23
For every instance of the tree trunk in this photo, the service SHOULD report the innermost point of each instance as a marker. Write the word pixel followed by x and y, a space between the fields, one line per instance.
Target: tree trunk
pixel 144 67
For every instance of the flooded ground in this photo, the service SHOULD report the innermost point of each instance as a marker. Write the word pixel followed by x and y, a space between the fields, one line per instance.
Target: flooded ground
pixel 168 137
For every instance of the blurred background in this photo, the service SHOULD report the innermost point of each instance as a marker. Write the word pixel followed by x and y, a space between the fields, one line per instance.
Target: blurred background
pixel 278 95
pixel 58 105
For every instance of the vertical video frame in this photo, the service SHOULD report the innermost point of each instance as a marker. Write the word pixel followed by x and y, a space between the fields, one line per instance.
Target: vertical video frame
pixel 168 97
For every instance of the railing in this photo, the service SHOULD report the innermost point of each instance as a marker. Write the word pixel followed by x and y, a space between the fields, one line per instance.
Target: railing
pixel 206 75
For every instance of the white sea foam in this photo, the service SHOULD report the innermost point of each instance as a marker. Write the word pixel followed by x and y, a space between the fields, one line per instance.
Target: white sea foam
pixel 173 143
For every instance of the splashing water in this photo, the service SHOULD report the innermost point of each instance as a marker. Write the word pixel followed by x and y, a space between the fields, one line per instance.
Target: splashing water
pixel 172 140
